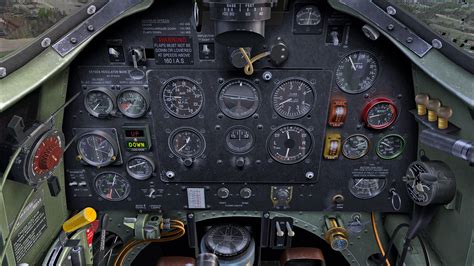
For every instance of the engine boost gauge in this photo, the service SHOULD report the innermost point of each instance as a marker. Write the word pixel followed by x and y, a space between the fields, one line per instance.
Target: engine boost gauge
pixel 293 99
pixel 187 143
pixel 379 113
pixel 133 102
pixel 390 146
pixel 289 144
pixel 99 102
pixel 140 167
pixel 238 99
pixel 112 186
pixel 183 98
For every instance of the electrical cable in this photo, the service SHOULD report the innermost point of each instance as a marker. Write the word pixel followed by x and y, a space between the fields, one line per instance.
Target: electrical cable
pixel 425 251
pixel 391 242
pixel 248 68
pixel 406 245
pixel 377 238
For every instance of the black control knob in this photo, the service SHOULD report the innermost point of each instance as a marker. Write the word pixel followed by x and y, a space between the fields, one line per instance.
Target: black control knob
pixel 223 193
pixel 240 162
pixel 245 193
pixel 188 162
pixel 279 53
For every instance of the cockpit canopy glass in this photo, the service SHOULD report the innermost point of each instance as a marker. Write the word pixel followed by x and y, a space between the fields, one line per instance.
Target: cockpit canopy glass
pixel 452 19
pixel 21 21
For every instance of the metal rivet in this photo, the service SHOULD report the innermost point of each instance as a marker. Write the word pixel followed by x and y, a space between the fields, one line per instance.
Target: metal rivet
pixel 45 42
pixel 90 28
pixel 309 175
pixel 409 40
pixel 391 10
pixel 91 9
pixel 73 40
pixel 3 72
pixel 390 27
pixel 437 44
pixel 267 75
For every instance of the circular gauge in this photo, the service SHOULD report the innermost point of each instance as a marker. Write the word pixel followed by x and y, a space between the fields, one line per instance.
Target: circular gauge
pixel 289 144
pixel 97 148
pixel 187 142
pixel 355 146
pixel 45 156
pixel 227 240
pixel 182 98
pixel 364 188
pixel 132 102
pixel 98 102
pixel 379 113
pixel 357 72
pixel 308 16
pixel 293 99
pixel 238 99
pixel 239 139
pixel 390 147
pixel 112 186
pixel 140 167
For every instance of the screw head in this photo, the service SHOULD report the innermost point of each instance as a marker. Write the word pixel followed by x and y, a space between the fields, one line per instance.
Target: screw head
pixel 45 42
pixel 91 9
pixel 267 75
pixel 90 27
pixel 3 72
pixel 170 174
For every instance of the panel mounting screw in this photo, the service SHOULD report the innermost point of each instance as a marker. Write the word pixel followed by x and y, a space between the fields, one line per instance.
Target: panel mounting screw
pixel 390 27
pixel 73 40
pixel 91 9
pixel 90 27
pixel 45 42
pixel 267 75
pixel 190 216
pixel 3 72
pixel 391 10
pixel 170 174
pixel 437 44
pixel 409 40
pixel 309 175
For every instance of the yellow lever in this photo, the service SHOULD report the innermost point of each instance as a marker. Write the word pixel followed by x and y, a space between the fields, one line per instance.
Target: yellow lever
pixel 85 217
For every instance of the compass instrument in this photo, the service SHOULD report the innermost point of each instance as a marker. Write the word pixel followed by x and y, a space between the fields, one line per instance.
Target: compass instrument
pixel 239 99
pixel 293 98
pixel 355 146
pixel 364 188
pixel 183 98
pixel 357 72
pixel 390 146
pixel 187 143
pixel 227 240
pixel 133 102
pixel 289 144
pixel 97 148
pixel 99 102
pixel 112 186
pixel 379 113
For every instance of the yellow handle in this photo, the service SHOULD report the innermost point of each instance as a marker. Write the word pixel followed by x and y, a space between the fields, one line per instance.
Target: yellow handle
pixel 85 217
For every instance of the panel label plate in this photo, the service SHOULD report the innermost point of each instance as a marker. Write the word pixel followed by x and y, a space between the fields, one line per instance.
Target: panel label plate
pixel 173 50
pixel 196 198
pixel 370 171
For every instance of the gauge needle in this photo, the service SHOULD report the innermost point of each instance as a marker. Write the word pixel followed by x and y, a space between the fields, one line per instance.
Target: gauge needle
pixel 187 141
pixel 372 116
pixel 352 63
pixel 96 106
pixel 289 100
pixel 135 165
pixel 287 152
pixel 383 143
pixel 288 134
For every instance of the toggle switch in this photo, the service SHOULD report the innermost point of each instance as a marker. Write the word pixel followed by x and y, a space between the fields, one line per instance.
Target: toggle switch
pixel 444 113
pixel 290 231
pixel 433 107
pixel 335 38
pixel 421 102
pixel 279 232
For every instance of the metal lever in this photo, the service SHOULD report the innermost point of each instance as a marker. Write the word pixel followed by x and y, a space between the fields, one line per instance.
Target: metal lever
pixel 280 233
pixel 291 233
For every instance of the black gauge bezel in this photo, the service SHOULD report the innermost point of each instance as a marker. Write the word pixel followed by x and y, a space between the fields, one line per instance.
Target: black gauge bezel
pixel 198 87
pixel 375 78
pixel 182 129
pixel 105 135
pixel 104 91
pixel 226 111
pixel 353 193
pixel 394 156
pixel 292 162
pixel 301 10
pixel 144 94
pixel 366 150
pixel 138 176
pixel 123 197
pixel 239 127
pixel 279 84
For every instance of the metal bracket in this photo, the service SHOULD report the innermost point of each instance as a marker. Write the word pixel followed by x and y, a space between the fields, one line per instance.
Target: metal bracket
pixel 97 21
pixel 389 25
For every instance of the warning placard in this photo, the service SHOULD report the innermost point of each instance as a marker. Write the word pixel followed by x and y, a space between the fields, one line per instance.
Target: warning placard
pixel 173 50
pixel 29 233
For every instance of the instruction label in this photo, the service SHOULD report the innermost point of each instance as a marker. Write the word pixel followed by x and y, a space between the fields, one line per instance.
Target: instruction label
pixel 29 233
pixel 196 198
pixel 370 171
pixel 173 50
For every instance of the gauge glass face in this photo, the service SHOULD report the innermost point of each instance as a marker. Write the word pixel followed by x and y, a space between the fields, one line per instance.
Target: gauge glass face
pixel 140 167
pixel 390 147
pixel 227 240
pixel 289 144
pixel 364 188
pixel 183 98
pixel 132 103
pixel 238 99
pixel 355 147
pixel 293 99
pixel 239 140
pixel 96 150
pixel 381 115
pixel 112 186
pixel 357 72
pixel 98 103
pixel 187 143
pixel 308 16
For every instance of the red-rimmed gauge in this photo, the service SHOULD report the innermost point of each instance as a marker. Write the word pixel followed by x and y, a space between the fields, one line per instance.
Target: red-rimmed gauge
pixel 379 113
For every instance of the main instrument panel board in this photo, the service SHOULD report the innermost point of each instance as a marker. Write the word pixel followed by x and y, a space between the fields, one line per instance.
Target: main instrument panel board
pixel 165 121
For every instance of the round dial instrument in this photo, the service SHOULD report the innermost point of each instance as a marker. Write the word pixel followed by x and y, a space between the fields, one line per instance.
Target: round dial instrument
pixel 132 102
pixel 289 144
pixel 357 72
pixel 183 98
pixel 308 16
pixel 239 139
pixel 45 156
pixel 238 99
pixel 140 167
pixel 293 99
pixel 112 186
pixel 355 146
pixel 390 146
pixel 380 113
pixel 227 240
pixel 364 188
pixel 97 148
pixel 187 143
pixel 98 102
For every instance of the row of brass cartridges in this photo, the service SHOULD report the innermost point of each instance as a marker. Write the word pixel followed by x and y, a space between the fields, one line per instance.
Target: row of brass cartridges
pixel 435 110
